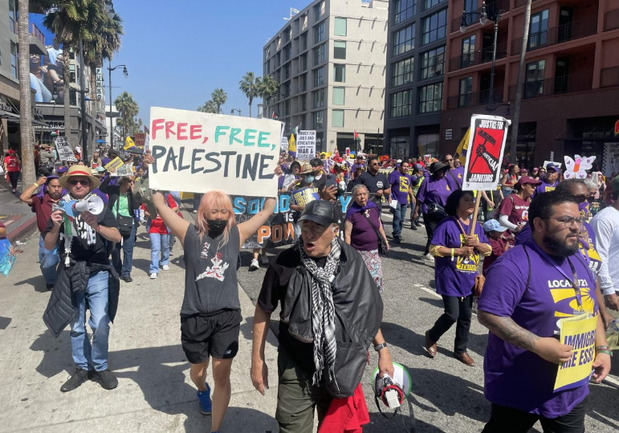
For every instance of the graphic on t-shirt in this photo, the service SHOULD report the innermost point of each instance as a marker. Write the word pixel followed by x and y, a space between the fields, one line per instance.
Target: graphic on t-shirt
pixel 404 184
pixel 216 271
pixel 204 252
pixel 470 263
pixel 564 295
pixel 85 231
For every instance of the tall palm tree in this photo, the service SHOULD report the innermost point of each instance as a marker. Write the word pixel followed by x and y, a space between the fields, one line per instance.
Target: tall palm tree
pixel 249 85
pixel 219 98
pixel 128 109
pixel 209 107
pixel 25 95
pixel 269 87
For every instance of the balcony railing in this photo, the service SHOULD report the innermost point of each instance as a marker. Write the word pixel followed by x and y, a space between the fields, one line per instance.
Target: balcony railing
pixel 476 58
pixel 474 99
pixel 556 35
pixel 470 18
pixel 553 86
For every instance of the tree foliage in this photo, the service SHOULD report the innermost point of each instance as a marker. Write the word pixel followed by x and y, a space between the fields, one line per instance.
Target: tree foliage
pixel 128 109
pixel 252 86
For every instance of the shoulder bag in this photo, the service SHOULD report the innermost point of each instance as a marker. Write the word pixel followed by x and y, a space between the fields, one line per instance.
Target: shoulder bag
pixel 125 223
pixel 382 245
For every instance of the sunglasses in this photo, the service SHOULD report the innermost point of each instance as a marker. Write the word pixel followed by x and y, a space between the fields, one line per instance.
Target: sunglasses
pixel 85 182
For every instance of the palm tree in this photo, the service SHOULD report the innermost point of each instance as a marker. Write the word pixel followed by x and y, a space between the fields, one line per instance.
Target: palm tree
pixel 269 87
pixel 209 107
pixel 128 109
pixel 249 85
pixel 25 95
pixel 219 98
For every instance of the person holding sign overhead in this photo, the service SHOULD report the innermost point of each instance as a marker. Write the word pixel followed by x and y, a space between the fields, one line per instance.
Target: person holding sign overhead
pixel 546 336
pixel 211 311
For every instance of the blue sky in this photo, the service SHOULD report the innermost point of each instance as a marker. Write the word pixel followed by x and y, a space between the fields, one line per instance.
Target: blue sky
pixel 177 52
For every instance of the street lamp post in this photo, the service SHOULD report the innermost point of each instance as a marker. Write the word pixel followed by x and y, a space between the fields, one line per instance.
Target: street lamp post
pixel 109 83
pixel 235 110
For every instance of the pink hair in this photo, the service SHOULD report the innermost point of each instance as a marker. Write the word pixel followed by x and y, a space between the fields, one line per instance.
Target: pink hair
pixel 215 200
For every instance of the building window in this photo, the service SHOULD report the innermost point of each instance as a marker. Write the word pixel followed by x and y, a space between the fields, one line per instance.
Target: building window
pixel 318 98
pixel 319 9
pixel 318 119
pixel 303 62
pixel 403 72
pixel 319 76
pixel 14 60
pixel 320 54
pixel 13 16
pixel 470 5
pixel 337 118
pixel 434 27
pixel 302 82
pixel 430 98
pixel 339 27
pixel 319 32
pixel 534 85
pixel 403 10
pixel 432 63
pixel 404 40
pixel 468 51
pixel 427 4
pixel 339 49
pixel 302 105
pixel 339 73
pixel 465 92
pixel 402 103
pixel 303 42
pixel 538 32
pixel 339 96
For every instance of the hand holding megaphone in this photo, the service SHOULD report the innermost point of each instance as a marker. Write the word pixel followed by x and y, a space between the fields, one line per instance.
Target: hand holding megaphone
pixel 92 204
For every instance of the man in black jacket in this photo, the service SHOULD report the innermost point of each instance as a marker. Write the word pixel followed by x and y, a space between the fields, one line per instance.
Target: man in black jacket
pixel 330 313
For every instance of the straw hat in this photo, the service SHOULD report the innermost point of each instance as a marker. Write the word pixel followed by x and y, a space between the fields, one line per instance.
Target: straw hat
pixel 306 168
pixel 82 171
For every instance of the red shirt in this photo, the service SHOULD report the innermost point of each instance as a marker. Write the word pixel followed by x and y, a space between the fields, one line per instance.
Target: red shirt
pixel 157 225
pixel 12 163
pixel 516 209
pixel 42 207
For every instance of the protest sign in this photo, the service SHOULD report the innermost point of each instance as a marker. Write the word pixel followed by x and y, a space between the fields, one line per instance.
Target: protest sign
pixel 199 152
pixel 578 332
pixel 139 138
pixel 129 143
pixel 482 169
pixel 123 170
pixel 114 164
pixel 306 144
pixel 283 144
pixel 576 168
pixel 65 153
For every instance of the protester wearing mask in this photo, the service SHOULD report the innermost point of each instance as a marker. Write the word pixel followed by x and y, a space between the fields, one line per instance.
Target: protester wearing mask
pixel 211 311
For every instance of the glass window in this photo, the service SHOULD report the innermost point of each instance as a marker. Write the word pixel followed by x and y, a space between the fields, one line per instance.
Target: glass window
pixel 318 98
pixel 303 42
pixel 538 32
pixel 339 95
pixel 14 60
pixel 319 10
pixel 302 105
pixel 466 91
pixel 13 16
pixel 303 62
pixel 404 40
pixel 534 85
pixel 470 5
pixel 427 4
pixel 403 72
pixel 403 10
pixel 319 32
pixel 430 98
pixel 319 76
pixel 468 52
pixel 318 119
pixel 432 63
pixel 302 82
pixel 339 73
pixel 320 54
pixel 402 103
pixel 339 27
pixel 337 118
pixel 339 49
pixel 434 27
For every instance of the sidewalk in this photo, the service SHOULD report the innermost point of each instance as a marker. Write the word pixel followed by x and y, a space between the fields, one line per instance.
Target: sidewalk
pixel 20 221
pixel 155 393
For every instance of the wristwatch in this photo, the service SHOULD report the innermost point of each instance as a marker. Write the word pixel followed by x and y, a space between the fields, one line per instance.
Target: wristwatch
pixel 380 346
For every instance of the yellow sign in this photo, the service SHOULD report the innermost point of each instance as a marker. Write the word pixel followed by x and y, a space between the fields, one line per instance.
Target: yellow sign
pixel 128 143
pixel 292 144
pixel 463 146
pixel 578 332
pixel 305 195
pixel 114 164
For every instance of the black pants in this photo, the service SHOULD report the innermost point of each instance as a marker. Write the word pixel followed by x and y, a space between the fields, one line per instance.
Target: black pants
pixel 430 222
pixel 508 420
pixel 13 177
pixel 456 310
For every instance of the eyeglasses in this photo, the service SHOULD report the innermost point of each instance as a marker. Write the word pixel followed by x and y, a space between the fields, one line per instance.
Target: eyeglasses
pixel 84 182
pixel 568 221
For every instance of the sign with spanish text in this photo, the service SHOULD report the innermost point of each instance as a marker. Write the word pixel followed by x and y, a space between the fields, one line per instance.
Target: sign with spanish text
pixel 578 332
pixel 486 145
pixel 306 144
pixel 199 152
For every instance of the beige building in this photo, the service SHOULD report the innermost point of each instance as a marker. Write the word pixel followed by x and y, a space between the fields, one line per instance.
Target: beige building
pixel 329 59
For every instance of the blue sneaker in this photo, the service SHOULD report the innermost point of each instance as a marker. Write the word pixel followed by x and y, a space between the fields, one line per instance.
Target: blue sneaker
pixel 204 398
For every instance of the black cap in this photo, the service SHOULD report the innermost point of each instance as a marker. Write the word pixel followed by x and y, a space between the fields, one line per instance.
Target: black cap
pixel 438 166
pixel 321 212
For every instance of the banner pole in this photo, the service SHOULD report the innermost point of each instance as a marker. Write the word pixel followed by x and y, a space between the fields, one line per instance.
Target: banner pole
pixel 475 212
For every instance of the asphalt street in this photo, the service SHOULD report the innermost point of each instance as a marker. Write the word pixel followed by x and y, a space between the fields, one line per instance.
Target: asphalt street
pixel 155 393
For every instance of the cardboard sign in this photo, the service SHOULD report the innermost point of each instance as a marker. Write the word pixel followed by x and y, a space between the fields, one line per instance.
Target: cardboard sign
pixel 576 168
pixel 65 153
pixel 114 164
pixel 482 169
pixel 283 144
pixel 123 170
pixel 199 152
pixel 139 138
pixel 578 332
pixel 306 145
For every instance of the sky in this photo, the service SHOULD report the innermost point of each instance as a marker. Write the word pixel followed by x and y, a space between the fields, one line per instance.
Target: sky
pixel 177 52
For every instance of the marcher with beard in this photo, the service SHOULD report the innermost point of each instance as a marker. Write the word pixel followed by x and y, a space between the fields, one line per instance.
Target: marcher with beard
pixel 41 205
pixel 457 256
pixel 376 182
pixel 211 310
pixel 85 280
pixel 330 313
pixel 519 307
pixel 362 230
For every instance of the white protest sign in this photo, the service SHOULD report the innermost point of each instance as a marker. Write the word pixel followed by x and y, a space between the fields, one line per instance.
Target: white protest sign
pixel 199 152
pixel 283 144
pixel 123 170
pixel 306 144
pixel 65 153
pixel 482 169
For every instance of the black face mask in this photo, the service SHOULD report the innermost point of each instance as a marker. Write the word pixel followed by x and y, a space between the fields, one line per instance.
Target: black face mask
pixel 216 227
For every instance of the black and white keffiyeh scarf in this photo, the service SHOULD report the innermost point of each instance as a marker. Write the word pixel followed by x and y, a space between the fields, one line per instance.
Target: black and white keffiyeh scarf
pixel 323 311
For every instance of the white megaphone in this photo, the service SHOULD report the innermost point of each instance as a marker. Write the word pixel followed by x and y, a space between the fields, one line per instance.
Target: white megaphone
pixel 72 208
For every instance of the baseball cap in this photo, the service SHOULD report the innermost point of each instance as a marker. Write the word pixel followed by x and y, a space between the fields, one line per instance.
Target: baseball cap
pixel 553 167
pixel 528 180
pixel 493 225
pixel 319 211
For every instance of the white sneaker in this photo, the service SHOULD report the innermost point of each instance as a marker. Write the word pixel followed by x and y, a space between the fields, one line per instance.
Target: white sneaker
pixel 254 265
pixel 165 267
pixel 153 276
pixel 429 257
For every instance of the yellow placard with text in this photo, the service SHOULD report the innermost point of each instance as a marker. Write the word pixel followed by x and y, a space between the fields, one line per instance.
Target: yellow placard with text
pixel 114 164
pixel 578 332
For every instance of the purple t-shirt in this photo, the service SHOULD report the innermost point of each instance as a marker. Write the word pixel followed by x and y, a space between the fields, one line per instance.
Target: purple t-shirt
pixel 454 177
pixel 515 377
pixel 363 236
pixel 545 187
pixel 455 277
pixel 433 191
pixel 400 185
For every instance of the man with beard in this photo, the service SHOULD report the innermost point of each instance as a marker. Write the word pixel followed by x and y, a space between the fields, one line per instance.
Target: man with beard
pixel 41 204
pixel 528 291
pixel 376 182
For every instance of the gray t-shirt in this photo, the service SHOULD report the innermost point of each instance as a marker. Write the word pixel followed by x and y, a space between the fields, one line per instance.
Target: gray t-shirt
pixel 210 273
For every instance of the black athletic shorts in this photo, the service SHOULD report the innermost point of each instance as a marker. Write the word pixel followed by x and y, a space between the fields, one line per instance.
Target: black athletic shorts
pixel 216 335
